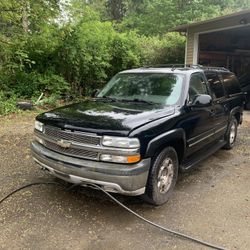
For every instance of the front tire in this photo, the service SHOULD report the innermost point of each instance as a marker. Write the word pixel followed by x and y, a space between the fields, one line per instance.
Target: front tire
pixel 162 177
pixel 247 106
pixel 231 134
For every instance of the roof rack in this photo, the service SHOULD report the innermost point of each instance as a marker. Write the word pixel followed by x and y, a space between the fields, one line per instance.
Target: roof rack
pixel 173 66
pixel 218 68
pixel 189 66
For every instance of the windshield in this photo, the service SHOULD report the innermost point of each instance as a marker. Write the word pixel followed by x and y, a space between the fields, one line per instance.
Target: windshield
pixel 161 88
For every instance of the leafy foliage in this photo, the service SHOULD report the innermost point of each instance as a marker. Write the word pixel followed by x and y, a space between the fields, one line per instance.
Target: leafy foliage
pixel 72 47
pixel 7 104
pixel 163 50
pixel 33 83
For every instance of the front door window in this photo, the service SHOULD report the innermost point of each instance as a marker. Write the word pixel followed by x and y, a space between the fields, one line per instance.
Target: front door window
pixel 197 86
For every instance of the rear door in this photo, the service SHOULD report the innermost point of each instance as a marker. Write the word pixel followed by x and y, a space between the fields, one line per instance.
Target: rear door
pixel 220 110
pixel 233 91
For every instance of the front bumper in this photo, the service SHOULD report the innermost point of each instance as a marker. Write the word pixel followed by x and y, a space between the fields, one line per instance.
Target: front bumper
pixel 129 179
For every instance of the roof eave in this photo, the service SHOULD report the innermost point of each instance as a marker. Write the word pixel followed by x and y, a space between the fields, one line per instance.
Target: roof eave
pixel 184 27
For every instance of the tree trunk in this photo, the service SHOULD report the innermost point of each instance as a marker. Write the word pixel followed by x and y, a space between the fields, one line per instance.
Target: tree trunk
pixel 25 21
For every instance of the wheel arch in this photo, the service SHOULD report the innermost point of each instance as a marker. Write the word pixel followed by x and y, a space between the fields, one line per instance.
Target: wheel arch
pixel 237 112
pixel 175 138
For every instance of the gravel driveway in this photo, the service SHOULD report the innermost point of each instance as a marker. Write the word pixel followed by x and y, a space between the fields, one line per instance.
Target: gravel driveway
pixel 211 203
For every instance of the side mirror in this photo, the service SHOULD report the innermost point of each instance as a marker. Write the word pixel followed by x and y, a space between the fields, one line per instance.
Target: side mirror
pixel 201 101
pixel 95 93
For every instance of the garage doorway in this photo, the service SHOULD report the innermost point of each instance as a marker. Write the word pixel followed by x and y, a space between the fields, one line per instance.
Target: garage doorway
pixel 228 48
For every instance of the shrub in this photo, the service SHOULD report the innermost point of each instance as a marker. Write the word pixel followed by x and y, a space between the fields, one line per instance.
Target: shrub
pixel 125 52
pixel 168 49
pixel 7 104
pixel 85 55
pixel 31 84
pixel 53 84
pixel 79 57
pixel 49 101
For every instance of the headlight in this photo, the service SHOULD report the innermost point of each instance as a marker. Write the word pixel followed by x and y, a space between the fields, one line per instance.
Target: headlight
pixel 120 142
pixel 39 126
pixel 120 158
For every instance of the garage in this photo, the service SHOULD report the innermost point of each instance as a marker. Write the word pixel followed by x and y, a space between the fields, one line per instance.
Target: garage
pixel 221 42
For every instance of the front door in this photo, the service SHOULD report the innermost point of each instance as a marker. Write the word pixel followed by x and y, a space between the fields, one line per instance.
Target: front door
pixel 199 125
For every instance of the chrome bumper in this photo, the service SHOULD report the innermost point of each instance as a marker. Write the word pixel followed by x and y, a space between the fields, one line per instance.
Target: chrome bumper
pixel 128 179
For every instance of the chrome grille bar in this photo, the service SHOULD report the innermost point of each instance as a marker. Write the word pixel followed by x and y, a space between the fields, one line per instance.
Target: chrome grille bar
pixel 80 153
pixel 75 136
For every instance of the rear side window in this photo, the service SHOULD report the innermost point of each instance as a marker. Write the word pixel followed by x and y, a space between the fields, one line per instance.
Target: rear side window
pixel 215 85
pixel 230 83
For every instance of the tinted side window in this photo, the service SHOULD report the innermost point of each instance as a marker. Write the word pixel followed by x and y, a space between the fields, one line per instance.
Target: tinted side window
pixel 197 86
pixel 231 83
pixel 215 85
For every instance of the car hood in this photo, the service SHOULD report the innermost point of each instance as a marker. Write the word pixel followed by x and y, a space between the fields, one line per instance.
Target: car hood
pixel 105 117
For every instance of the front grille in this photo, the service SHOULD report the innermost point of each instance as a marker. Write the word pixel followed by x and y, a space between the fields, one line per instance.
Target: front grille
pixel 80 137
pixel 81 153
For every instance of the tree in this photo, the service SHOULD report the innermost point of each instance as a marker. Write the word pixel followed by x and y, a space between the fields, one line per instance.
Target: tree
pixel 156 17
pixel 27 15
pixel 116 9
pixel 48 45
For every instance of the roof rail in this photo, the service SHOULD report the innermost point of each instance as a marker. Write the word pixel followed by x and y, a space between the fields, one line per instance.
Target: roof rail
pixel 171 65
pixel 192 66
pixel 218 68
pixel 174 66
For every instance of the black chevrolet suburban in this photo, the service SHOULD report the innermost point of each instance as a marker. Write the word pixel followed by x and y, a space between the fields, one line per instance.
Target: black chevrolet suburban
pixel 143 127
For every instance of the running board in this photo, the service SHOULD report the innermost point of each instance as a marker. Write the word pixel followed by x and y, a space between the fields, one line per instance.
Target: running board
pixel 201 155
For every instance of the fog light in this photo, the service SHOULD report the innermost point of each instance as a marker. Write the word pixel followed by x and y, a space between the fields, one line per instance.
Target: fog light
pixel 106 157
pixel 120 158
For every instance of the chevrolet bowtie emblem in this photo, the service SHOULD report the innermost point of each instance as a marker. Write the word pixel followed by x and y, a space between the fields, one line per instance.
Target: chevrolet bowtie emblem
pixel 63 144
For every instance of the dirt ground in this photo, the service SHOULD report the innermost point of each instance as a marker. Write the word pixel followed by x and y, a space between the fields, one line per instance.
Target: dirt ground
pixel 211 203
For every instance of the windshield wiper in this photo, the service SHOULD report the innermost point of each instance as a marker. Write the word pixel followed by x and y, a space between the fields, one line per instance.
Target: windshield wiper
pixel 113 99
pixel 108 98
pixel 137 100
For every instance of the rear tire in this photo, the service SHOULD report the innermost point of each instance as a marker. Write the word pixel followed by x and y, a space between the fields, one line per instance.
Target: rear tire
pixel 231 134
pixel 162 177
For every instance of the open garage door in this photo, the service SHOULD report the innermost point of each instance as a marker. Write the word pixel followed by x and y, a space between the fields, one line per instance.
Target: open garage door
pixel 228 48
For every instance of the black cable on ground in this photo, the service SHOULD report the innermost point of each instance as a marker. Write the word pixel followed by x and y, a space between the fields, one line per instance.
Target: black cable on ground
pixel 159 226
pixel 126 208
pixel 28 185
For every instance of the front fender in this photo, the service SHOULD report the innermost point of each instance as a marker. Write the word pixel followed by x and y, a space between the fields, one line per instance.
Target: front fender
pixel 166 138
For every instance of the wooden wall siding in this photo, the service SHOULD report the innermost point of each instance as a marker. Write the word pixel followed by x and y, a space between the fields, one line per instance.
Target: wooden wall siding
pixel 225 23
pixel 190 48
